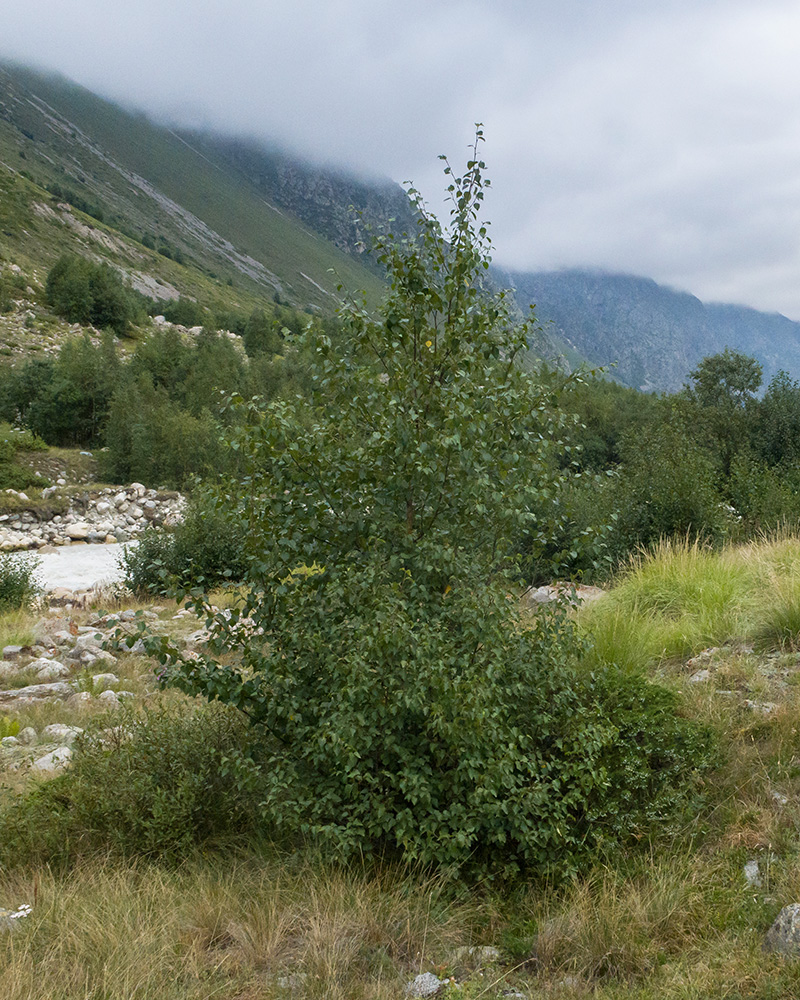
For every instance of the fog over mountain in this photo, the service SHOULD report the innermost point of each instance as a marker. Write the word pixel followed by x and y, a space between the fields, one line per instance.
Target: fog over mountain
pixel 655 139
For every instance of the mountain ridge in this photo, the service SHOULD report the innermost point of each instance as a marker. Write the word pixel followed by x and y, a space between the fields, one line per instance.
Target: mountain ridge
pixel 652 334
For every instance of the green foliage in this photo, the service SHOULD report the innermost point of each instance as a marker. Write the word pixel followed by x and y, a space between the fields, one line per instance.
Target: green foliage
pixel 12 287
pixel 160 783
pixel 206 549
pixel 185 312
pixel 765 497
pixel 9 726
pixel 18 585
pixel 83 292
pixel 72 407
pixel 722 399
pixel 726 381
pixel 665 487
pixel 776 434
pixel 262 334
pixel 152 438
pixel 401 704
pixel 61 193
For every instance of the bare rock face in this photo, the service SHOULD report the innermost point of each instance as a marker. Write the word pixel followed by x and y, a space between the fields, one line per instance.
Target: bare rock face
pixel 784 935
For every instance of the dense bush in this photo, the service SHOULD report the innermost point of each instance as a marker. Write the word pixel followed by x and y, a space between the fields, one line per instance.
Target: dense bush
pixel 401 705
pixel 208 548
pixel 160 783
pixel 18 584
pixel 83 292
pixel 666 486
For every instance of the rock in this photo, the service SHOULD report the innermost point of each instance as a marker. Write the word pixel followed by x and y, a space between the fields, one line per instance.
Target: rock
pixel 122 695
pixel 78 531
pixel 37 692
pixel 9 918
pixel 763 707
pixel 50 670
pixel 79 699
pixel 104 681
pixel 700 677
pixel 10 741
pixel 294 981
pixel 703 657
pixel 54 761
pixel 12 652
pixel 752 875
pixel 780 798
pixel 27 736
pixel 784 935
pixel 478 954
pixel 109 698
pixel 58 733
pixel 425 985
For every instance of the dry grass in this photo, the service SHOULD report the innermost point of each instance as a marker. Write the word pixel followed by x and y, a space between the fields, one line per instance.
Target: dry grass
pixel 232 929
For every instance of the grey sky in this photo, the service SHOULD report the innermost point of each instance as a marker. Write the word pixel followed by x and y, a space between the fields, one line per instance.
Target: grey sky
pixel 661 139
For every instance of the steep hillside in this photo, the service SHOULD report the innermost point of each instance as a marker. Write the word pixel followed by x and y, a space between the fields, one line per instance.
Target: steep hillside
pixel 151 186
pixel 653 335
pixel 338 205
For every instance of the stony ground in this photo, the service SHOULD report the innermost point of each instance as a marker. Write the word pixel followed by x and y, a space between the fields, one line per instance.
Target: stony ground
pixel 71 665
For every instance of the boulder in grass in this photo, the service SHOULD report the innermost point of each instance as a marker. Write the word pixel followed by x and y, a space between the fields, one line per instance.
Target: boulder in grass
pixel 52 762
pixel 784 935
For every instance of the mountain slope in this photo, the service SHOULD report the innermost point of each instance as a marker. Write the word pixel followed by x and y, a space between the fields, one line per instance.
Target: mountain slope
pixel 152 185
pixel 651 334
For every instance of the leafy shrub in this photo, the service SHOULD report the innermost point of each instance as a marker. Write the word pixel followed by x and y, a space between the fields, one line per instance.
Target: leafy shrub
pixel 151 438
pixel 765 497
pixel 185 312
pixel 18 585
pixel 401 705
pixel 157 784
pixel 666 487
pixel 208 548
pixel 83 292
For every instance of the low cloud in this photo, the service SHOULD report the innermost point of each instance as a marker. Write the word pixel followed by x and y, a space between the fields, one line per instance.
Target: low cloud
pixel 661 141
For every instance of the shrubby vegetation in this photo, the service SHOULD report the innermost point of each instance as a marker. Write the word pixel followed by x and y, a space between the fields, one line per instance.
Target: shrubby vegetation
pixel 83 292
pixel 208 549
pixel 161 784
pixel 157 413
pixel 18 584
pixel 399 702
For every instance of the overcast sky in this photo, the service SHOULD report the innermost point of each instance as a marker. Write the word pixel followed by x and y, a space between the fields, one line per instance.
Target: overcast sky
pixel 655 138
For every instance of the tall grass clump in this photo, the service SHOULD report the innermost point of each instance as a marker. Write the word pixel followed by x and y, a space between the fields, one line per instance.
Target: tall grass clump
pixel 670 602
pixel 776 598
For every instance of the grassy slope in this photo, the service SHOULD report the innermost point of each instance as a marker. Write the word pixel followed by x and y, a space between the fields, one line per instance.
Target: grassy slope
pixel 221 199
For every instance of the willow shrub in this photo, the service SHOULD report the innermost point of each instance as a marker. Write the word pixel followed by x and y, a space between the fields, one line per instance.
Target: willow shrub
pixel 402 706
